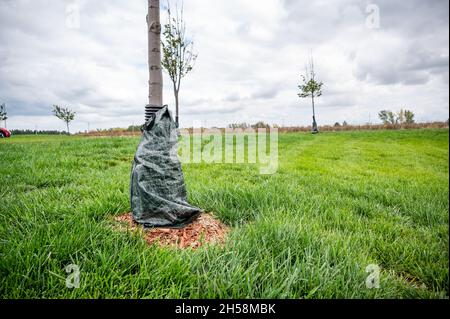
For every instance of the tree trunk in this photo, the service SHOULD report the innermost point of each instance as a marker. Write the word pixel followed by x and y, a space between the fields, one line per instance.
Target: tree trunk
pixel 314 126
pixel 154 54
pixel 177 109
pixel 68 132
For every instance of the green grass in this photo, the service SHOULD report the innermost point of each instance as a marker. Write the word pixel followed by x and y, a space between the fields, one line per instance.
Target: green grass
pixel 339 202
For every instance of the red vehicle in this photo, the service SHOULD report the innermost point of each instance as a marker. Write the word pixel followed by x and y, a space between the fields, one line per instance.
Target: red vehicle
pixel 4 133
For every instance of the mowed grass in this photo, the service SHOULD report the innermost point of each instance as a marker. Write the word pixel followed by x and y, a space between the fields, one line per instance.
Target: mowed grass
pixel 339 202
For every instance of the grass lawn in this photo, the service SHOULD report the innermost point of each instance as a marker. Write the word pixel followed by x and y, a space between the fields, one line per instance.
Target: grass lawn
pixel 339 202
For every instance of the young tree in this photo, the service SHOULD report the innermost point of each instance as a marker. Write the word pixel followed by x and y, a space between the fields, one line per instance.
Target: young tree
pixel 401 117
pixel 3 113
pixel 409 117
pixel 311 88
pixel 64 114
pixel 260 124
pixel 178 52
pixel 388 117
pixel 392 118
pixel 383 115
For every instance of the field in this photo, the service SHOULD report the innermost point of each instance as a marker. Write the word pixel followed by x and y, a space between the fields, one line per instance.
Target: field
pixel 339 202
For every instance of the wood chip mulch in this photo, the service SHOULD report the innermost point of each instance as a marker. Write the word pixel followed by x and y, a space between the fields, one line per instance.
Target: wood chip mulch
pixel 204 230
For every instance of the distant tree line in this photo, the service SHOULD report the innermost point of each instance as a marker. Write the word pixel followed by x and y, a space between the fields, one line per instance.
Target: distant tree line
pixel 31 132
pixel 337 124
pixel 134 128
pixel 252 126
pixel 399 118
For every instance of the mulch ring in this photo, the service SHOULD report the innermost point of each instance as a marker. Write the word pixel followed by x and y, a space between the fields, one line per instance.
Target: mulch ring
pixel 204 230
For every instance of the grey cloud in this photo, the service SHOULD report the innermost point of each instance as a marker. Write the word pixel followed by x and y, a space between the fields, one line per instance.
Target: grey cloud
pixel 319 21
pixel 212 109
pixel 413 67
pixel 20 108
pixel 233 98
pixel 265 93
pixel 415 18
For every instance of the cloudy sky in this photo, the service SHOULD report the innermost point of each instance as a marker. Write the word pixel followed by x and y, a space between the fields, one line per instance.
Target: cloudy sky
pixel 371 55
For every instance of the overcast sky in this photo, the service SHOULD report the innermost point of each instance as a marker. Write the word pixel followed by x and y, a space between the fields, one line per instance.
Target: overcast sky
pixel 251 56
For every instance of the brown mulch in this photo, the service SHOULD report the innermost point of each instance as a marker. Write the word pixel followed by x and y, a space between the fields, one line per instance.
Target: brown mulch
pixel 204 230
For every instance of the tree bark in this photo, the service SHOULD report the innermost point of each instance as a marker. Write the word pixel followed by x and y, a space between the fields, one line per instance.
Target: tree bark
pixel 177 115
pixel 314 126
pixel 154 54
